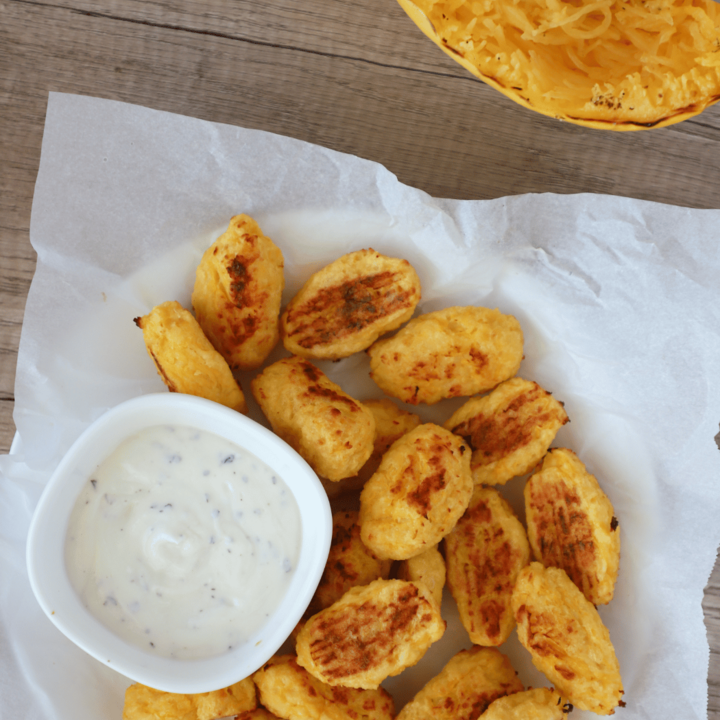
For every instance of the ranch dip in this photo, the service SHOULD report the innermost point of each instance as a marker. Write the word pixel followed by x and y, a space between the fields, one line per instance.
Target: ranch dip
pixel 182 542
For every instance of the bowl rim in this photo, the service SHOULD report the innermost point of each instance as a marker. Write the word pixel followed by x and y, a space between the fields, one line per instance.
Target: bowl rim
pixel 45 551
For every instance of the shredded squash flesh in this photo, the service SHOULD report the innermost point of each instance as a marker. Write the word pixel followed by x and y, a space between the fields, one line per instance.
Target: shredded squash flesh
pixel 642 62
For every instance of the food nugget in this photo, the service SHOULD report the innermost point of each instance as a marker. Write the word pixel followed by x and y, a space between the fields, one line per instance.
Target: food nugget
pixel 509 430
pixel 185 359
pixel 535 704
pixel 567 639
pixel 257 714
pixel 465 687
pixel 145 703
pixel 349 563
pixel 572 525
pixel 484 554
pixel 391 423
pixel 333 432
pixel 419 492
pixel 347 305
pixel 237 294
pixel 290 692
pixel 448 353
pixel 371 633
pixel 428 567
pixel 238 698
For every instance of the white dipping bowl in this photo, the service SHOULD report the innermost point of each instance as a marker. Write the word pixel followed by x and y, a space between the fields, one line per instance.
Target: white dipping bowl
pixel 46 542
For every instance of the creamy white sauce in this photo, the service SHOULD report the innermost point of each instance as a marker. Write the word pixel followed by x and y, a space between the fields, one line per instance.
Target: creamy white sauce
pixel 183 543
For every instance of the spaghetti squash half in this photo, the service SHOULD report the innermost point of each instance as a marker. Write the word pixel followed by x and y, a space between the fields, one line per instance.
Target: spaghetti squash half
pixel 616 64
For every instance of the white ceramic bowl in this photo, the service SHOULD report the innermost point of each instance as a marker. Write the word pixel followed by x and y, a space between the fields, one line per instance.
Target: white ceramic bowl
pixel 46 542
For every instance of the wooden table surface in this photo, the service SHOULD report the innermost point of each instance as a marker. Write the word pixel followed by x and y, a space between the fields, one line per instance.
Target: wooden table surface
pixel 353 76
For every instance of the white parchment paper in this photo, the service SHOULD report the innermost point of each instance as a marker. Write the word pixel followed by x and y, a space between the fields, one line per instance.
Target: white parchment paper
pixel 618 299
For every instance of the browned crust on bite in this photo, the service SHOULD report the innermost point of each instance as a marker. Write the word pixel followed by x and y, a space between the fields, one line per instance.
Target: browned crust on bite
pixel 420 495
pixel 571 524
pixel 289 691
pixel 563 528
pixel 484 555
pixel 465 687
pixel 240 293
pixel 373 632
pixel 567 639
pixel 509 430
pixel 420 490
pixel 447 353
pixel 237 293
pixel 339 311
pixel 333 432
pixel 348 645
pixel 318 387
pixel 347 305
pixel 498 434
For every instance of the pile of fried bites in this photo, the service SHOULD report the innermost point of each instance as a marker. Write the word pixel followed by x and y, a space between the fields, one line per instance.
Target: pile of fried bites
pixel 429 511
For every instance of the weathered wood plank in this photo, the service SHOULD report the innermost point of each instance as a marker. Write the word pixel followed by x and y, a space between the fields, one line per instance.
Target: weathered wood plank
pixel 711 608
pixel 467 141
pixel 7 426
pixel 377 31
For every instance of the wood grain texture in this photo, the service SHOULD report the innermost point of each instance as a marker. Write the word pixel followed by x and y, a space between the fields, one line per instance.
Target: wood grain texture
pixel 357 77
pixel 711 609
pixel 274 68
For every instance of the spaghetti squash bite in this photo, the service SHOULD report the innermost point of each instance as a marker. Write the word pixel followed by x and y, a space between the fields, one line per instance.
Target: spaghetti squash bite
pixel 333 432
pixel 509 430
pixel 534 704
pixel 292 693
pixel 371 633
pixel 346 306
pixel 237 293
pixel 567 639
pixel 184 357
pixel 429 568
pixel 465 687
pixel 448 353
pixel 572 525
pixel 419 492
pixel 485 553
pixel 145 703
